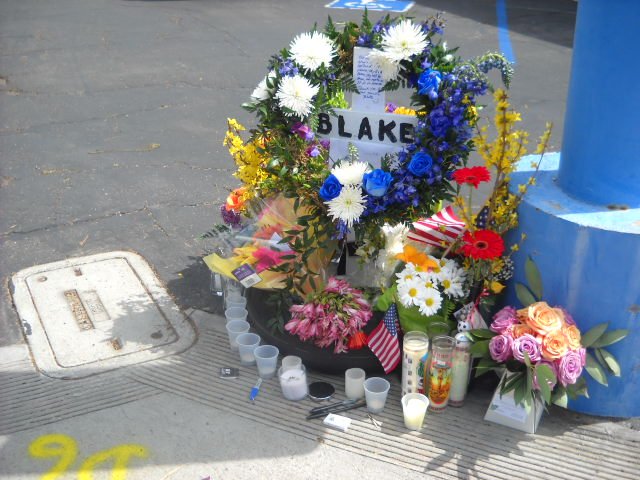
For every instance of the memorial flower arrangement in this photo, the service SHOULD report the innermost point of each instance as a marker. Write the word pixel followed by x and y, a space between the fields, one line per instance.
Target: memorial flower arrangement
pixel 543 349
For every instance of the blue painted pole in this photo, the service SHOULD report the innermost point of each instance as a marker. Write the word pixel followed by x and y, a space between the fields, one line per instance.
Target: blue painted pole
pixel 582 219
pixel 601 144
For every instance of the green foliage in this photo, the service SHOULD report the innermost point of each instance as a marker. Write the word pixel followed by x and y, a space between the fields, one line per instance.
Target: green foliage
pixel 534 279
pixel 524 295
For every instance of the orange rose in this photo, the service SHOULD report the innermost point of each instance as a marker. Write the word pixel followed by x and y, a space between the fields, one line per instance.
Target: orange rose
pixel 573 336
pixel 522 315
pixel 544 319
pixel 520 329
pixel 235 200
pixel 554 345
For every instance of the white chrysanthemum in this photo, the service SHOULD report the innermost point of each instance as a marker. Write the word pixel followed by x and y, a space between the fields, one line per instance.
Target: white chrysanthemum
pixel 411 292
pixel 296 93
pixel 348 206
pixel 408 273
pixel 388 66
pixel 404 40
pixel 312 50
pixel 262 91
pixel 350 173
pixel 430 302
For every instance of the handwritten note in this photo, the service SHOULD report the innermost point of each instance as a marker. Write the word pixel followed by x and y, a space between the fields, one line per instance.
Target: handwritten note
pixel 369 81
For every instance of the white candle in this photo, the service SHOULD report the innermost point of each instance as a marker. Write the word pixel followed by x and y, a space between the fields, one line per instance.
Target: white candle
pixel 414 413
pixel 460 371
pixel 294 383
pixel 414 351
pixel 354 383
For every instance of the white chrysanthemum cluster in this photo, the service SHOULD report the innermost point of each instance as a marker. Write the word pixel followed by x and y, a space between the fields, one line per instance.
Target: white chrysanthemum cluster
pixel 262 91
pixel 350 173
pixel 312 50
pixel 425 289
pixel 348 206
pixel 296 94
pixel 401 42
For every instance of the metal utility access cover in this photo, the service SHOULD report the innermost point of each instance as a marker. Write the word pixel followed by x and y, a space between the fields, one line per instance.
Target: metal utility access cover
pixel 91 314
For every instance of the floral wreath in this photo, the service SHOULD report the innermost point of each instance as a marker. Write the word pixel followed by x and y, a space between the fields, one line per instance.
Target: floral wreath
pixel 285 156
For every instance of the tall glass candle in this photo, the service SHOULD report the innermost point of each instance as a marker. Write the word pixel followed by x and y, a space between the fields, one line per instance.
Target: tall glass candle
pixel 440 372
pixel 415 347
pixel 460 370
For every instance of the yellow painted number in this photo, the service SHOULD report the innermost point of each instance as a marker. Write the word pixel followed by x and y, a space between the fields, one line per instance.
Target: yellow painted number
pixel 55 445
pixel 121 455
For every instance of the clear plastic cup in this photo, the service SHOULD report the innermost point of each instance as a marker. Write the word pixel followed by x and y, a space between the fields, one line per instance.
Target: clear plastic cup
pixel 235 328
pixel 291 362
pixel 235 314
pixel 247 343
pixel 266 360
pixel 376 390
pixel 354 383
pixel 414 407
pixel 236 301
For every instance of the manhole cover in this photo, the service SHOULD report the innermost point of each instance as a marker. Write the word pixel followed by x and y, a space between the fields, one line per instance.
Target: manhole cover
pixel 91 314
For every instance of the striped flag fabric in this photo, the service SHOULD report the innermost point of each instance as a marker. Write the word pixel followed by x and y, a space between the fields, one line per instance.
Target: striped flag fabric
pixel 439 230
pixel 384 342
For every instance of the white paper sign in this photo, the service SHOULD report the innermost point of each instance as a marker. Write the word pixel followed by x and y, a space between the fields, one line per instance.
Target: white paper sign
pixel 369 81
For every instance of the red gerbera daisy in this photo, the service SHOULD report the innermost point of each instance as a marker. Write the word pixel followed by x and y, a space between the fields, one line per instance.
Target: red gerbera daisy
pixel 472 175
pixel 482 244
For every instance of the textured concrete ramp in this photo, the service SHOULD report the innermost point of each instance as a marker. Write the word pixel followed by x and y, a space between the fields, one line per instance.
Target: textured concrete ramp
pixel 454 444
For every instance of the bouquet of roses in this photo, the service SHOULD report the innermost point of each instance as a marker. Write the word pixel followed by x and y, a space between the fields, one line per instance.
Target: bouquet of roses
pixel 542 349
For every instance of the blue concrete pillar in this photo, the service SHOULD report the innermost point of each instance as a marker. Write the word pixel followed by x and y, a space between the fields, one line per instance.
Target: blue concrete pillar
pixel 601 145
pixel 582 219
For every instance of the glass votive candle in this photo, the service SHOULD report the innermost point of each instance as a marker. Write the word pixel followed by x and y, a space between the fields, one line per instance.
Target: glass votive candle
pixel 235 328
pixel 376 390
pixel 266 360
pixel 291 362
pixel 293 382
pixel 247 343
pixel 414 407
pixel 354 383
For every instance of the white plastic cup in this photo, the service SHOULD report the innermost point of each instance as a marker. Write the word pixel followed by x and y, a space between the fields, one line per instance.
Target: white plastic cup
pixel 376 390
pixel 235 314
pixel 235 328
pixel 291 362
pixel 247 343
pixel 266 360
pixel 354 383
pixel 236 301
pixel 414 407
pixel 231 287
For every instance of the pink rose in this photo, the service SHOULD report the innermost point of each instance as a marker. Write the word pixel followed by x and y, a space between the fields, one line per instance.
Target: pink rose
pixel 569 368
pixel 500 348
pixel 504 319
pixel 526 343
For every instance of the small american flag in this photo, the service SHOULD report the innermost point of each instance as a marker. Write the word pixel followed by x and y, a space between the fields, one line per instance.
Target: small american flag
pixel 439 230
pixel 383 341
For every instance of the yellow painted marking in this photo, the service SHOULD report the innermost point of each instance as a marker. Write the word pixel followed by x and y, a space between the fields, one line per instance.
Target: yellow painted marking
pixel 55 445
pixel 121 455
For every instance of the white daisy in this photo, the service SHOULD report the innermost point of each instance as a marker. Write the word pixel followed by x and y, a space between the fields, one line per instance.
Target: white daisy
pixel 311 50
pixel 431 302
pixel 387 64
pixel 350 173
pixel 295 93
pixel 408 273
pixel 262 91
pixel 452 279
pixel 411 292
pixel 404 40
pixel 348 206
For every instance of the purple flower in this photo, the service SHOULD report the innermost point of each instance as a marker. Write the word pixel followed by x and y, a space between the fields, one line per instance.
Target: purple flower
pixel 303 131
pixel 504 319
pixel 554 369
pixel 500 348
pixel 583 355
pixel 313 151
pixel 569 368
pixel 526 343
pixel 325 142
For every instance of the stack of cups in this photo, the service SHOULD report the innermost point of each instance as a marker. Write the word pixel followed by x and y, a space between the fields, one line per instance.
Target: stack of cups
pixel 236 315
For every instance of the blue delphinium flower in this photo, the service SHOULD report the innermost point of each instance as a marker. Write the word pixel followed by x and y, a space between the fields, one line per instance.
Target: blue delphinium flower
pixel 288 68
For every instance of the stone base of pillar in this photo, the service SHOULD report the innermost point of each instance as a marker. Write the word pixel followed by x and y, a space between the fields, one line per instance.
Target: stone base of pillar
pixel 589 257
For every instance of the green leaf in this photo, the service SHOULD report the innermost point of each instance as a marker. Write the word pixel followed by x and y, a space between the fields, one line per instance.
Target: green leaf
pixel 560 397
pixel 610 361
pixel 545 376
pixel 480 348
pixel 527 360
pixel 520 392
pixel 533 278
pixel 589 338
pixel 609 338
pixel 524 295
pixel 482 333
pixel 595 370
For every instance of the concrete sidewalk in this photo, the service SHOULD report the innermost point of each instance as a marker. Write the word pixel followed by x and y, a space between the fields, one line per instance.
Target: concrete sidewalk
pixel 112 115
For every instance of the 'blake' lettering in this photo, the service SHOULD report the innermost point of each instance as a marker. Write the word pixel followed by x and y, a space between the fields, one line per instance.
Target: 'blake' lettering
pixel 341 131
pixel 388 130
pixel 365 129
pixel 324 124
